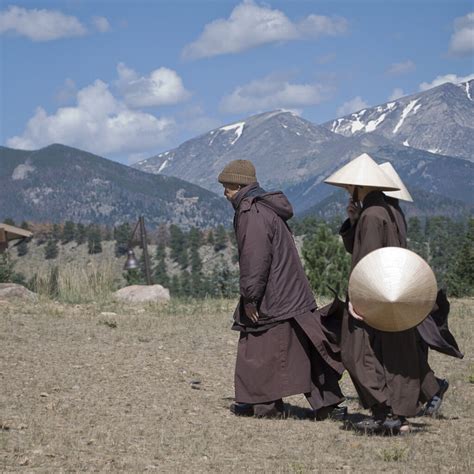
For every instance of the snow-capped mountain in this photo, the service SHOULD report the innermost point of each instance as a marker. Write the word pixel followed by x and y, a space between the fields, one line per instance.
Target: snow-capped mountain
pixel 439 120
pixel 282 144
pixel 428 137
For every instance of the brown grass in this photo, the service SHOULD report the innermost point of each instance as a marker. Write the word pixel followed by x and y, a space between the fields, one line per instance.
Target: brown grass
pixel 85 391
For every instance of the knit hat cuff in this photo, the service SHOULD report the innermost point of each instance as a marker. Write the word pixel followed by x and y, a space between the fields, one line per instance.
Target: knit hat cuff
pixel 235 178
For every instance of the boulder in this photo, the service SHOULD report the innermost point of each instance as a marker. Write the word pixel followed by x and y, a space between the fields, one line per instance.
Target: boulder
pixel 143 294
pixel 9 291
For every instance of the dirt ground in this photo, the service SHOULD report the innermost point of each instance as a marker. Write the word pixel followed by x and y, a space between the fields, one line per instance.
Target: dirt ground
pixel 116 388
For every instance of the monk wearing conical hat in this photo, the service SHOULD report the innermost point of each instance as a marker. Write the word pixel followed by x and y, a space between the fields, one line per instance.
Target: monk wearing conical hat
pixel 433 332
pixel 385 367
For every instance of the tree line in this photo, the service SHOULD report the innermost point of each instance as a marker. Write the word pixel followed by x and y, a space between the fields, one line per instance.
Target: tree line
pixel 446 244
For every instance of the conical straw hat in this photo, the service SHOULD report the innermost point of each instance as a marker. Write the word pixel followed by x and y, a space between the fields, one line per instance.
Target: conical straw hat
pixel 393 288
pixel 362 171
pixel 403 194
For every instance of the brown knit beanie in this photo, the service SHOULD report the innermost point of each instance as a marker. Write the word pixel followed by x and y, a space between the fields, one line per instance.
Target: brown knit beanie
pixel 238 172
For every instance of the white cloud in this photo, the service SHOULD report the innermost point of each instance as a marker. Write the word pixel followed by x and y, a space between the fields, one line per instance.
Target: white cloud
pixel 397 69
pixel 350 106
pixel 162 87
pixel 40 25
pixel 194 120
pixel 396 94
pixel 98 122
pixel 250 25
pixel 273 92
pixel 67 93
pixel 101 24
pixel 462 40
pixel 446 78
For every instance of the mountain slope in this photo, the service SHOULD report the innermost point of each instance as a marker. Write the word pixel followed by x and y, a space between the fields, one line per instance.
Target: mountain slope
pixel 281 144
pixel 439 120
pixel 57 183
pixel 446 176
pixel 425 204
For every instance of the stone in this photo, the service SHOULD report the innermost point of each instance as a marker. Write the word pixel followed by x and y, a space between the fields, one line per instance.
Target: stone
pixel 9 291
pixel 143 294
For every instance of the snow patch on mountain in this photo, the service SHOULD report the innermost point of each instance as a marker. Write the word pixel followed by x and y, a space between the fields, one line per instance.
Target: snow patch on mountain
pixel 22 171
pixel 405 113
pixel 237 127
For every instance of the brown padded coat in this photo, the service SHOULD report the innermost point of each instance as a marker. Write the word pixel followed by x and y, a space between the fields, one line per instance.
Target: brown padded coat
pixel 271 274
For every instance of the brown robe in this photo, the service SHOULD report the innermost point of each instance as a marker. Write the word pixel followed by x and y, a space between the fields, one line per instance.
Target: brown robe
pixel 433 332
pixel 288 351
pixel 385 367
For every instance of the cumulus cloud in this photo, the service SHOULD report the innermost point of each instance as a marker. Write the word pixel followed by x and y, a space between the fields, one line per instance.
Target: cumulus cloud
pixel 101 24
pixel 98 122
pixel 353 105
pixel 67 92
pixel 195 120
pixel 462 40
pixel 397 69
pixel 446 78
pixel 250 25
pixel 396 94
pixel 162 87
pixel 40 25
pixel 273 92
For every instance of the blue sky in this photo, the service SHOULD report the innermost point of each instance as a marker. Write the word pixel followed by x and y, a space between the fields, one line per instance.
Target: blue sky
pixel 128 79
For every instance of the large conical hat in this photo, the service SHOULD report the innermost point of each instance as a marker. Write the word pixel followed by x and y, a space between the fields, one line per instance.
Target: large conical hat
pixel 362 171
pixel 403 193
pixel 393 288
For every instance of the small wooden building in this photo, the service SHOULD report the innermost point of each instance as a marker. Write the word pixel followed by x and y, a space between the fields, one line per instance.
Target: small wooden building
pixel 9 233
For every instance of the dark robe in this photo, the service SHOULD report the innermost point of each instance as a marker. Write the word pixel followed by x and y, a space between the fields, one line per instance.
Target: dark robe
pixel 385 367
pixel 433 332
pixel 287 351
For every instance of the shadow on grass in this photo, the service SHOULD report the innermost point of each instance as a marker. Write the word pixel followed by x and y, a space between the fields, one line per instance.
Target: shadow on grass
pixel 350 424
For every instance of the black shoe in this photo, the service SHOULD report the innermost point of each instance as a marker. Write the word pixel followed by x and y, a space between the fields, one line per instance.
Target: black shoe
pixel 392 424
pixel 370 425
pixel 242 409
pixel 432 407
pixel 332 412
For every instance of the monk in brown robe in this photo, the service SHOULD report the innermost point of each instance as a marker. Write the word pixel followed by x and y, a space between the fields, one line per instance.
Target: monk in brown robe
pixel 433 332
pixel 385 367
pixel 284 348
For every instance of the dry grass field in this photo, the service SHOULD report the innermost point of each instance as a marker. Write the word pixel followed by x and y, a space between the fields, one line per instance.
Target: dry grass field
pixel 108 387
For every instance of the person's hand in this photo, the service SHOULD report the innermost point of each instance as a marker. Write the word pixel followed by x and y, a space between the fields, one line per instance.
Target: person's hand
pixel 353 211
pixel 251 312
pixel 353 313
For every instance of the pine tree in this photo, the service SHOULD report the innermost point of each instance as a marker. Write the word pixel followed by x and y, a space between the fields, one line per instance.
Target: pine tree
pixel 179 252
pixel 160 275
pixel 80 234
pixel 122 236
pixel 163 235
pixel 107 233
pixel 56 232
pixel 194 238
pixel 220 239
pixel 69 230
pixel 223 282
pixel 210 238
pixel 94 242
pixel 326 261
pixel 185 284
pixel 175 286
pixel 6 268
pixel 416 238
pixel 460 277
pixel 22 247
pixel 51 250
